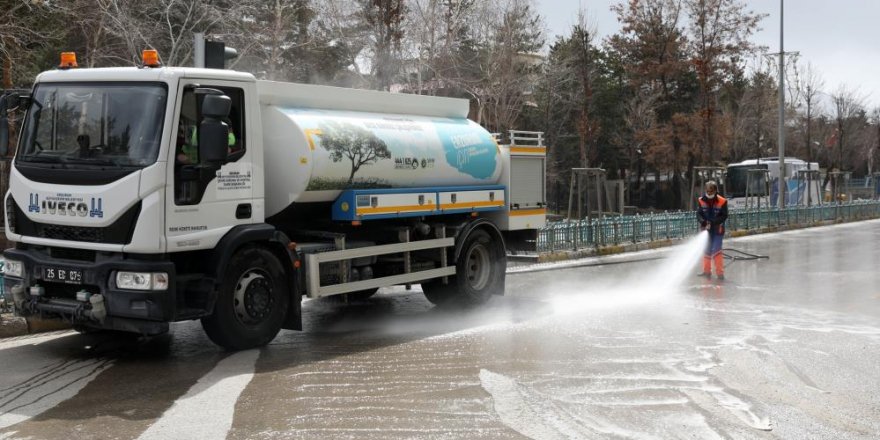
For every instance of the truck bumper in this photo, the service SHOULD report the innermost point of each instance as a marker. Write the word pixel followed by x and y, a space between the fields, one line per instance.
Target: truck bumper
pixel 140 311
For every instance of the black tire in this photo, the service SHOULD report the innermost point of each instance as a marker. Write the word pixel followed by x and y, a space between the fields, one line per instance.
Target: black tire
pixel 438 293
pixel 479 273
pixel 252 301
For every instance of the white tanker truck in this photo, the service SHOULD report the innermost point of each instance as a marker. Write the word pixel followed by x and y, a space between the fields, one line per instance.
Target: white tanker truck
pixel 144 196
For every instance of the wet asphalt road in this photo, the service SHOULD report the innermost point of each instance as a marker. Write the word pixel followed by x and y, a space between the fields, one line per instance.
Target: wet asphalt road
pixel 785 348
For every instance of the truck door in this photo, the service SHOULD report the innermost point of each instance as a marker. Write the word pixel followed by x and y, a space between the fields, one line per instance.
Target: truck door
pixel 206 200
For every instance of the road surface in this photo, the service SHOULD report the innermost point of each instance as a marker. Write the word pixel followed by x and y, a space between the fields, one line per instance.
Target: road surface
pixel 785 348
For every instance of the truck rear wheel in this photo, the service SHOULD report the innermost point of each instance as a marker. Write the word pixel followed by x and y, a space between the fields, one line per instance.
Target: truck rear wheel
pixel 479 273
pixel 252 301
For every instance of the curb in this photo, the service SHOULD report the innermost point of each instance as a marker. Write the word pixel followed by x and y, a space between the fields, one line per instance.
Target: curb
pixel 11 325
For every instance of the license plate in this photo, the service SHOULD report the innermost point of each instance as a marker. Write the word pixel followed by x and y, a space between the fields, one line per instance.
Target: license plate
pixel 60 275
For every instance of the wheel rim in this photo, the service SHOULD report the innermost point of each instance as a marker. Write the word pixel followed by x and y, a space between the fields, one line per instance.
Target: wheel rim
pixel 253 297
pixel 478 267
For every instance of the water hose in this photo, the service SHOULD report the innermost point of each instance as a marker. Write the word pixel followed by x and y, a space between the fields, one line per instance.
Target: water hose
pixel 738 255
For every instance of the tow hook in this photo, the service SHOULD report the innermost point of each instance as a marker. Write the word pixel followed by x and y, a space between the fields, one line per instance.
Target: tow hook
pixel 99 311
pixel 18 296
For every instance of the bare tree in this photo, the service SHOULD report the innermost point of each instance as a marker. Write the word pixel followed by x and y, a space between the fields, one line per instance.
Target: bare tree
pixel 641 120
pixel 809 84
pixel 422 45
pixel 276 29
pixel 755 117
pixel 867 139
pixel 654 49
pixel 343 23
pixel 436 31
pixel 508 35
pixel 284 40
pixel 167 25
pixel 383 20
pixel 846 104
pixel 720 38
pixel 24 24
pixel 583 65
pixel 89 33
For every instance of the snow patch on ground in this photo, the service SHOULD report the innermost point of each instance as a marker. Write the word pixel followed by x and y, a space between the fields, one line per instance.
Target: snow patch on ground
pixel 537 416
pixel 207 409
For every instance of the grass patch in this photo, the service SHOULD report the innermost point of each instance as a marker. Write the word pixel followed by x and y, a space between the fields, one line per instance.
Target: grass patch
pixel 321 184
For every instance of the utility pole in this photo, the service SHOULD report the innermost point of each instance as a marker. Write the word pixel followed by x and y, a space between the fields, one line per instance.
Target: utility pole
pixel 199 49
pixel 782 186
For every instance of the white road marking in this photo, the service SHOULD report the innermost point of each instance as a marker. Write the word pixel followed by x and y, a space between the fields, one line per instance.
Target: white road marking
pixel 44 386
pixel 20 341
pixel 206 411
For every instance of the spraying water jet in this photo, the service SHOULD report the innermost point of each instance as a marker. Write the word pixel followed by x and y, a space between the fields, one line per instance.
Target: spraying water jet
pixel 660 282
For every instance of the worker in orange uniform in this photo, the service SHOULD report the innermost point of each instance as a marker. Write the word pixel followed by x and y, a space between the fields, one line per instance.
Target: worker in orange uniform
pixel 712 213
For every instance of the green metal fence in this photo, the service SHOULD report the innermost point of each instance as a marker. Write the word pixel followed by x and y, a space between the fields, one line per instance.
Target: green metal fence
pixel 620 230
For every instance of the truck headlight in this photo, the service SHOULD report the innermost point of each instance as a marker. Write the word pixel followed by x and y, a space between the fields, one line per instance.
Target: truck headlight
pixel 13 268
pixel 142 280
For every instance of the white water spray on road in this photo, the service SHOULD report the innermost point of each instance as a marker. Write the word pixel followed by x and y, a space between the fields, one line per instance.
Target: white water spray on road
pixel 641 288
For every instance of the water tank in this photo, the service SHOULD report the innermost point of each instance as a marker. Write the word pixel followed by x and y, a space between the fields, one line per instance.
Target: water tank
pixel 321 140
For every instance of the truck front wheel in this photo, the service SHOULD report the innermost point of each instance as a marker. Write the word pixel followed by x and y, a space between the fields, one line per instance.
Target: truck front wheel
pixel 479 273
pixel 251 303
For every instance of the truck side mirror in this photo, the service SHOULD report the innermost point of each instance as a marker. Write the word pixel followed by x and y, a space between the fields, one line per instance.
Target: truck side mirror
pixel 213 132
pixel 11 100
pixel 216 106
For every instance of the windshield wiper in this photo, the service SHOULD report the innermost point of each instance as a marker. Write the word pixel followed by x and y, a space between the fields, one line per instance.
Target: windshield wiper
pixel 91 160
pixel 37 158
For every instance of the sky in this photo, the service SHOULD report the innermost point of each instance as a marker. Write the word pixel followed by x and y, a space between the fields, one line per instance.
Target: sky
pixel 840 37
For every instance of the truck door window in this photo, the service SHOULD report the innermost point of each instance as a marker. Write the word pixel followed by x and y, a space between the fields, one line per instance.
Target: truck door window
pixel 189 180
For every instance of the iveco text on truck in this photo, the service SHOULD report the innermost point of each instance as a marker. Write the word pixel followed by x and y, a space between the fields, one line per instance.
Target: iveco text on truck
pixel 144 196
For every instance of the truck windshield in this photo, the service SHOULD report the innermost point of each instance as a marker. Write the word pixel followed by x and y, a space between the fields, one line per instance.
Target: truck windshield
pixel 738 177
pixel 94 124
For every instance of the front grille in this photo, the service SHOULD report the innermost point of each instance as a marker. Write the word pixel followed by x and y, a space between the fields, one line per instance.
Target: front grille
pixel 72 254
pixel 72 233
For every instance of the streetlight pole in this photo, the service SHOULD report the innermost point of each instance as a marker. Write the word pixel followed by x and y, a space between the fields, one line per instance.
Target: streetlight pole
pixel 782 185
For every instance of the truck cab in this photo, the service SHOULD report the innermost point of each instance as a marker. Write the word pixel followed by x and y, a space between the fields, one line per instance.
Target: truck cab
pixel 99 187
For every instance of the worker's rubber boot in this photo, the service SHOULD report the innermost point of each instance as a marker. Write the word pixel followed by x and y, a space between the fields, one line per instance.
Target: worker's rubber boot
pixel 719 265
pixel 707 266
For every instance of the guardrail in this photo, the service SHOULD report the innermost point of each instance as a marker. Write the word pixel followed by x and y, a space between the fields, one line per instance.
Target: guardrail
pixel 621 230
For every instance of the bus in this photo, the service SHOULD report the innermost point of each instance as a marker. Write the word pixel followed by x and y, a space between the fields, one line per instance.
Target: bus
pixel 754 183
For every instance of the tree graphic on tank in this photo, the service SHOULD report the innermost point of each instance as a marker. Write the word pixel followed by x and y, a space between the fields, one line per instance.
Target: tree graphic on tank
pixel 356 144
